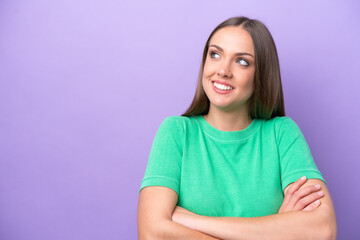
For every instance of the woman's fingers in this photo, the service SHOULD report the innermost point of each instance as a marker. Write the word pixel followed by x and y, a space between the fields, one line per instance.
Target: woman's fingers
pixel 312 206
pixel 301 198
pixel 294 187
pixel 305 201
pixel 288 195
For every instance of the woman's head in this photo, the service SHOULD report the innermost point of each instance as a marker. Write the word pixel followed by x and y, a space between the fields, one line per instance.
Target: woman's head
pixel 229 69
pixel 266 97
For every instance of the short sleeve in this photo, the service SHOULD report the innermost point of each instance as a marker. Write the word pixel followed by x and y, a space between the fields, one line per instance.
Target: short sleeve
pixel 164 163
pixel 295 156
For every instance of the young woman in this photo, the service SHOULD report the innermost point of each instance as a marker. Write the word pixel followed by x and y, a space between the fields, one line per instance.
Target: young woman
pixel 230 167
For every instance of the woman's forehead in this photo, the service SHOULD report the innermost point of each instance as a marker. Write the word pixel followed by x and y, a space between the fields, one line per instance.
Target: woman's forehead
pixel 233 39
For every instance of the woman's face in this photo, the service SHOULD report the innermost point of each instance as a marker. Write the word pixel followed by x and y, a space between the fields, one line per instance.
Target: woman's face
pixel 229 69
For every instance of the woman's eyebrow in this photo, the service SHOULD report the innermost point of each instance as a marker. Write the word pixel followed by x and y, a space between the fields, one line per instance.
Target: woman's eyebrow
pixel 237 54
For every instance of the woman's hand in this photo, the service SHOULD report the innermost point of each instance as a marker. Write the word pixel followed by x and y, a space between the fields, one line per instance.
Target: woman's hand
pixel 305 199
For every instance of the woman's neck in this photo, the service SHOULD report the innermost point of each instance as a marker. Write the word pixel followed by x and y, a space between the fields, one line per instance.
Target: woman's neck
pixel 228 121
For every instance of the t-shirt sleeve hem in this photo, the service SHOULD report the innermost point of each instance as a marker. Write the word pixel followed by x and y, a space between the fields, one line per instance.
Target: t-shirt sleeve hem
pixel 293 177
pixel 160 181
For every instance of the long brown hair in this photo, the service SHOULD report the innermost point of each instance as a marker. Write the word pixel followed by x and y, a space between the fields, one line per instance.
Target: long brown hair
pixel 267 101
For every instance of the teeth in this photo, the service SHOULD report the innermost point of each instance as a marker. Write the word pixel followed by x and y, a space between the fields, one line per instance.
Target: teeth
pixel 222 87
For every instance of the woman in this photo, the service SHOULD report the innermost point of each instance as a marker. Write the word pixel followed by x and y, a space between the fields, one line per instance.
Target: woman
pixel 230 167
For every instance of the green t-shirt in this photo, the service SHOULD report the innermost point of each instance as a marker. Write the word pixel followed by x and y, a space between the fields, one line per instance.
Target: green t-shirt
pixel 230 174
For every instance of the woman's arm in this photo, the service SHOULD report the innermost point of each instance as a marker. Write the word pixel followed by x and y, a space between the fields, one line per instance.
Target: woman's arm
pixel 318 224
pixel 155 208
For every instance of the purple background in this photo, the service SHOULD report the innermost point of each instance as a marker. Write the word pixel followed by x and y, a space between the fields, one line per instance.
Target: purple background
pixel 84 86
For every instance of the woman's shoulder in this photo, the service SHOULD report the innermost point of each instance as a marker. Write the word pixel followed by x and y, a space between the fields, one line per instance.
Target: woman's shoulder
pixel 282 125
pixel 279 121
pixel 175 120
pixel 181 125
pixel 181 119
pixel 177 123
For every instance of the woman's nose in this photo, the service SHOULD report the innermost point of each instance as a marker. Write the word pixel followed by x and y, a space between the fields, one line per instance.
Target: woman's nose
pixel 224 71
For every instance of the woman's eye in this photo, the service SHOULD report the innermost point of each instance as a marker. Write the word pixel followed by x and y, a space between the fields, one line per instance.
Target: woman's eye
pixel 242 62
pixel 214 55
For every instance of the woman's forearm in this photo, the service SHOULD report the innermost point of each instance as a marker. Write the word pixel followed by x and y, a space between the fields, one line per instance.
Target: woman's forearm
pixel 289 225
pixel 316 224
pixel 168 229
pixel 174 231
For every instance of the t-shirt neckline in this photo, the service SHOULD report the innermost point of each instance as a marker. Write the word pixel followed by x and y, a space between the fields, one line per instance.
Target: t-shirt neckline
pixel 228 135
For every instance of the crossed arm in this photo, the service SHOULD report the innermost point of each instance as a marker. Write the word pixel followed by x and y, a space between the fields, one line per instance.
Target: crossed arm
pixel 155 209
pixel 297 219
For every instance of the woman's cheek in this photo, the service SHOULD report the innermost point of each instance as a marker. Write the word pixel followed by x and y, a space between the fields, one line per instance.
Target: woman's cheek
pixel 209 69
pixel 250 85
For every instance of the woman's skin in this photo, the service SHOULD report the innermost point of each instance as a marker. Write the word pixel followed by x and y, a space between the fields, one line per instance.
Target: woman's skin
pixel 229 112
pixel 230 62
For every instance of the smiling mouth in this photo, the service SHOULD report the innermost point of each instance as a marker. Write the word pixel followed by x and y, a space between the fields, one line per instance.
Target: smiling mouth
pixel 222 87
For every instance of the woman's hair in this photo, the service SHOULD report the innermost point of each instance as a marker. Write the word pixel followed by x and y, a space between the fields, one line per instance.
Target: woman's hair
pixel 267 100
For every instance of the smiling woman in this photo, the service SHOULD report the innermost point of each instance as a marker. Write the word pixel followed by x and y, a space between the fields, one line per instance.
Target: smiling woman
pixel 230 167
pixel 228 76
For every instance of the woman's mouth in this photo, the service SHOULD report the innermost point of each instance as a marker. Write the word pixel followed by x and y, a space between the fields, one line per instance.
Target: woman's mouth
pixel 221 88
